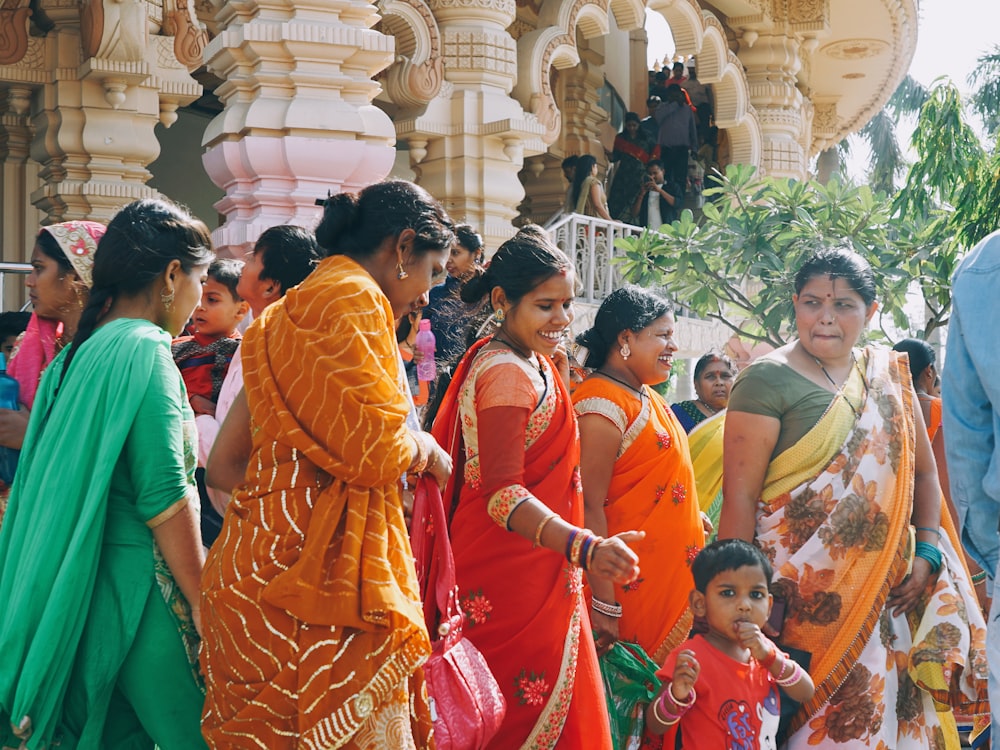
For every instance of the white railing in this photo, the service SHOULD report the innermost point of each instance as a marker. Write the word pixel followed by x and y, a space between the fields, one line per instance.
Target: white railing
pixel 590 244
pixel 12 269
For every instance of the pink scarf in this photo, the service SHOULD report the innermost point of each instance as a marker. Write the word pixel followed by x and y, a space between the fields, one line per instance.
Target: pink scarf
pixel 37 346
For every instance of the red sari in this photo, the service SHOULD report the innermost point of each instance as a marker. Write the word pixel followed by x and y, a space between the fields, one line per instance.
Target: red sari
pixel 523 605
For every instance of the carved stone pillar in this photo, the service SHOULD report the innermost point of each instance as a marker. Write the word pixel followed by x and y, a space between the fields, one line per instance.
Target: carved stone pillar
pixel 109 81
pixel 580 107
pixel 772 64
pixel 471 141
pixel 20 219
pixel 298 119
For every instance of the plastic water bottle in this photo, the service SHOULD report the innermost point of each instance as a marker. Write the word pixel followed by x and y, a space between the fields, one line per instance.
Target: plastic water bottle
pixel 9 391
pixel 425 344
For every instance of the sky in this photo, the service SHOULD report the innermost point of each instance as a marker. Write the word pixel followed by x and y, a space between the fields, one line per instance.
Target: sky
pixel 952 34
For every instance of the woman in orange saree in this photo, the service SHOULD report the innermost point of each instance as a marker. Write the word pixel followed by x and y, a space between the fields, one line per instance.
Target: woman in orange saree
pixel 828 468
pixel 313 625
pixel 637 472
pixel 509 423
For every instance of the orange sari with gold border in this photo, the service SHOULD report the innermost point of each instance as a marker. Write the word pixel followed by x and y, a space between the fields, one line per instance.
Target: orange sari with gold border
pixel 652 490
pixel 524 605
pixel 312 618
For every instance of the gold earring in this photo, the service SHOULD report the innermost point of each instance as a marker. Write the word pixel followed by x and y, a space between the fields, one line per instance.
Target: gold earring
pixel 499 315
pixel 625 351
pixel 400 273
pixel 167 298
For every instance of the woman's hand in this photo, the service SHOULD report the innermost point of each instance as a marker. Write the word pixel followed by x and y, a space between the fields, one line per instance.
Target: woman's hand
pixel 605 631
pixel 706 524
pixel 202 405
pixel 13 425
pixel 439 464
pixel 614 560
pixel 904 597
pixel 560 358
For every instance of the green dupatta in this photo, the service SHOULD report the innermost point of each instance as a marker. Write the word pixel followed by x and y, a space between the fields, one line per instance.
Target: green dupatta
pixel 51 538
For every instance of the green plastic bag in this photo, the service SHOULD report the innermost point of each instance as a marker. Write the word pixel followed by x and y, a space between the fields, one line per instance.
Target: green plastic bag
pixel 630 683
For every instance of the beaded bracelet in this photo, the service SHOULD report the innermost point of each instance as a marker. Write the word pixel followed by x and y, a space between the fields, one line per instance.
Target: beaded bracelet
pixel 930 553
pixel 979 577
pixel 606 608
pixel 795 676
pixel 541 527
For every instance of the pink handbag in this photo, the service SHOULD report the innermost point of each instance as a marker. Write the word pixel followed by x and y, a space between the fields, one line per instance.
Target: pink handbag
pixel 467 706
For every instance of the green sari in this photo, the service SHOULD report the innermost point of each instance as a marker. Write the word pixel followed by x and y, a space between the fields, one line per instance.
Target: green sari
pixel 97 643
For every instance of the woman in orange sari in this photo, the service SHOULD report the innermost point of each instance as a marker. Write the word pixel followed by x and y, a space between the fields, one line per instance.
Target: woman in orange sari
pixel 637 473
pixel 517 534
pixel 313 626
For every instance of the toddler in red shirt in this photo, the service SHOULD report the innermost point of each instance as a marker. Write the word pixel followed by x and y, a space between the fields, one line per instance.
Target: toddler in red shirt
pixel 720 689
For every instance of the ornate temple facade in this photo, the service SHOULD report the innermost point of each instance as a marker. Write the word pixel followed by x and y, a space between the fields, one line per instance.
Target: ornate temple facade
pixel 477 100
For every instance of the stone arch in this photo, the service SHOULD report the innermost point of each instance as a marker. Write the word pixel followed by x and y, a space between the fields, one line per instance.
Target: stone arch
pixel 553 44
pixel 686 21
pixel 746 141
pixel 416 75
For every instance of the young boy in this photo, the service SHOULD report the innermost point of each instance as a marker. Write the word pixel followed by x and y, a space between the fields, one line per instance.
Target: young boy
pixel 720 689
pixel 204 357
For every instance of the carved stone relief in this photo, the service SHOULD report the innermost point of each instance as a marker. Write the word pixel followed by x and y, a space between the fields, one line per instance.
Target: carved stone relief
pixel 14 31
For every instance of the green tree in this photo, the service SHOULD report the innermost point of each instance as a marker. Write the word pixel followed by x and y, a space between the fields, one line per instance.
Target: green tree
pixel 737 264
pixel 985 80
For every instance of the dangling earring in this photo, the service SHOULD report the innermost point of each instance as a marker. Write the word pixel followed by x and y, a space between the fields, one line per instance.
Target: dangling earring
pixel 499 315
pixel 167 298
pixel 625 351
pixel 400 273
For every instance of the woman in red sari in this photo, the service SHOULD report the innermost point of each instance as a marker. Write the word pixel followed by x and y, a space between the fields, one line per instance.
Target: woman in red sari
pixel 520 549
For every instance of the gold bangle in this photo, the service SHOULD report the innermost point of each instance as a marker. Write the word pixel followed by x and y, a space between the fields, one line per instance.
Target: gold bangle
pixel 541 527
pixel 420 459
pixel 574 553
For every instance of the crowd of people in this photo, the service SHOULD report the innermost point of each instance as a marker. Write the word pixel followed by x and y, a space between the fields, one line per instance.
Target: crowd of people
pixel 208 538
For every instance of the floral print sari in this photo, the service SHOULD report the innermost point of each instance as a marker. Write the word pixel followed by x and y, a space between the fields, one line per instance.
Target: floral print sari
pixel 835 521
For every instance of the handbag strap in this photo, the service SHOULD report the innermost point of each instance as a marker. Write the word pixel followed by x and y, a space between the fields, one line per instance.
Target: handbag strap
pixel 428 494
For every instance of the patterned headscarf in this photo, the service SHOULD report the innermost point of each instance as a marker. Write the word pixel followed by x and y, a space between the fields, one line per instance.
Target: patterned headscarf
pixel 78 240
pixel 37 346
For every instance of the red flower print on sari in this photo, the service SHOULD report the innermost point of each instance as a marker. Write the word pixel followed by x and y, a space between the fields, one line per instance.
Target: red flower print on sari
pixel 664 441
pixel 477 608
pixel 531 689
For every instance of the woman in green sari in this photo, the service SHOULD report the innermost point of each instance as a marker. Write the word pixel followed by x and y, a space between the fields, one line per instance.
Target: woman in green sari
pixel 100 551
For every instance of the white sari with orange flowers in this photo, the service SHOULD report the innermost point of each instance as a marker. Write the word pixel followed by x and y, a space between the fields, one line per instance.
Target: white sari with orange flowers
pixel 835 521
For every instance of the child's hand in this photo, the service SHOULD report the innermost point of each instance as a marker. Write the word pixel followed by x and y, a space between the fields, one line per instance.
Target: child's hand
pixel 685 675
pixel 202 405
pixel 750 637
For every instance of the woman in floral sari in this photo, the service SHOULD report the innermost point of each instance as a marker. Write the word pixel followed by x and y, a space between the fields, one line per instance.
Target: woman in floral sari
pixel 516 531
pixel 636 472
pixel 313 624
pixel 828 468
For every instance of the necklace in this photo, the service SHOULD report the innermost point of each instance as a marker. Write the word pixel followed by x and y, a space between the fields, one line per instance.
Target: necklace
pixel 522 355
pixel 638 391
pixel 708 406
pixel 840 388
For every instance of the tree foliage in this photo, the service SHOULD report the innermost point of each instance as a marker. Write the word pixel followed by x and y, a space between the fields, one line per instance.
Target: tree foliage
pixel 737 264
pixel 985 80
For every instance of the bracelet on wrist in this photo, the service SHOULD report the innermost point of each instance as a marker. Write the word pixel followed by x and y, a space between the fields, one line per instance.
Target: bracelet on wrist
pixel 682 705
pixel 608 609
pixel 796 675
pixel 591 552
pixel 978 578
pixel 768 660
pixel 541 527
pixel 930 553
pixel 928 528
